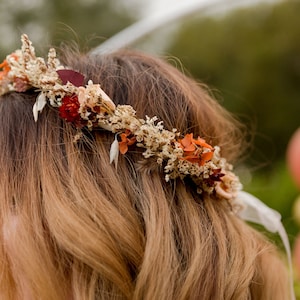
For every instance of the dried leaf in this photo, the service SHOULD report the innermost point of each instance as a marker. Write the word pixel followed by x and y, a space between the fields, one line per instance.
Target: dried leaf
pixel 71 76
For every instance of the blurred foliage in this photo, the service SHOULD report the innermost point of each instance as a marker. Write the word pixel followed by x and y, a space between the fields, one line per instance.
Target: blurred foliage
pixel 278 191
pixel 88 22
pixel 252 57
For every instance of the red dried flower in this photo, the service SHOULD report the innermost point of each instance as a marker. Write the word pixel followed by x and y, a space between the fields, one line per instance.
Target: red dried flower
pixel 69 109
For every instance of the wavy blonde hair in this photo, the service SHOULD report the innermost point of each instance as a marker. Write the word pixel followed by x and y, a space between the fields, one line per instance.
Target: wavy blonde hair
pixel 75 227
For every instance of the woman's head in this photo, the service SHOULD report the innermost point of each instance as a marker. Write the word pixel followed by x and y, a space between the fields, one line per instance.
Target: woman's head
pixel 75 225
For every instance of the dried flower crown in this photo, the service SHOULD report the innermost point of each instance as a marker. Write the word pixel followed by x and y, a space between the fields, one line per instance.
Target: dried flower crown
pixel 89 106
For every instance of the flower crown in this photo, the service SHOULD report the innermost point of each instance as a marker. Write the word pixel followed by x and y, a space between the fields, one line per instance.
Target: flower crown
pixel 89 106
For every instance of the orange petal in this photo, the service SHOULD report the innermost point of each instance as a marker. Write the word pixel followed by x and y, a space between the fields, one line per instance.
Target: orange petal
pixel 207 156
pixel 131 141
pixel 192 159
pixel 127 132
pixel 187 140
pixel 125 141
pixel 123 147
pixel 3 64
pixel 201 142
pixel 187 143
pixel 6 68
pixel 190 148
pixel 123 137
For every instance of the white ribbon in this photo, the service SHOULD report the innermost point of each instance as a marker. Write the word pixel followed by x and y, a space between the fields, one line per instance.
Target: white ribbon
pixel 257 212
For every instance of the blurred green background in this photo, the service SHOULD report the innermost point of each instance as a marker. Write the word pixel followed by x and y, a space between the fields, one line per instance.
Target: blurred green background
pixel 249 56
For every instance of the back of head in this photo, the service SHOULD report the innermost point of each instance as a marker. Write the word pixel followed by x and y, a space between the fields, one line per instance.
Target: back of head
pixel 76 226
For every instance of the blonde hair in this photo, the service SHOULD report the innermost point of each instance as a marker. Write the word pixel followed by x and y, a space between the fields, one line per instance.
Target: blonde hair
pixel 75 227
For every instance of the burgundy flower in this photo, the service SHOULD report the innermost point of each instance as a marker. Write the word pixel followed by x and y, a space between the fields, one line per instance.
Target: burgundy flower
pixel 69 109
pixel 216 176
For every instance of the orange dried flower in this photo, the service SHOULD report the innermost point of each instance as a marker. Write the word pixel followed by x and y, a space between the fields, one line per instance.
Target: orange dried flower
pixel 192 153
pixel 188 143
pixel 6 68
pixel 126 141
pixel 201 142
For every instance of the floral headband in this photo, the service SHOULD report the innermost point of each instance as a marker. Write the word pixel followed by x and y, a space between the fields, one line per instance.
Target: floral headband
pixel 89 106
